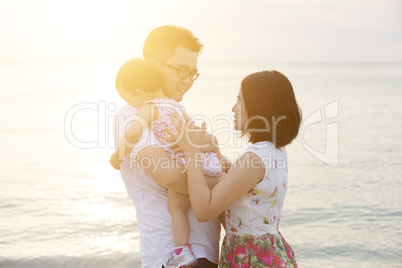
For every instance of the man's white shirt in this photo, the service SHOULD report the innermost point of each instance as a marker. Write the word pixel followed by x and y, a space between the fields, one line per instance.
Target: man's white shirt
pixel 150 200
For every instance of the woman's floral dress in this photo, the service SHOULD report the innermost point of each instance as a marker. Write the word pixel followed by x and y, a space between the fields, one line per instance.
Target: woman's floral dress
pixel 166 108
pixel 252 236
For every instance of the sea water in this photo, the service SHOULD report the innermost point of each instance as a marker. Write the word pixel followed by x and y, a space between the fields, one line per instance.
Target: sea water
pixel 62 205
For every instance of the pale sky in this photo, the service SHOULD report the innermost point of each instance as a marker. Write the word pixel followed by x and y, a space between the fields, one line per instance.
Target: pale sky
pixel 231 30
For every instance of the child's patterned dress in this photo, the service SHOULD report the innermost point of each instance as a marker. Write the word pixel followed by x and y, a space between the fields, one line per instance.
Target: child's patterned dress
pixel 166 108
pixel 252 236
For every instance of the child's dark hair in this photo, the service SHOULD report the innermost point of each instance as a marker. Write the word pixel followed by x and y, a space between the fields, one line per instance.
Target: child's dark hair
pixel 137 74
pixel 272 109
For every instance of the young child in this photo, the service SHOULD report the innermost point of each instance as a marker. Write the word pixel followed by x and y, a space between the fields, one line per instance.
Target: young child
pixel 140 84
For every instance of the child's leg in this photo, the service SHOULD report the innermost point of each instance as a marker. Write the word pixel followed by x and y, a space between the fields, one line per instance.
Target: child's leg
pixel 178 205
pixel 211 164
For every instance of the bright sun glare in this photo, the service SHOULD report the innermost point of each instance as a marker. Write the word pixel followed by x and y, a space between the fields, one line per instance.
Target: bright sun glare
pixel 72 30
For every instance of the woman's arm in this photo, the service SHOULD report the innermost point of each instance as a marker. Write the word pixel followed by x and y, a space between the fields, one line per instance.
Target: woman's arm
pixel 208 204
pixel 145 115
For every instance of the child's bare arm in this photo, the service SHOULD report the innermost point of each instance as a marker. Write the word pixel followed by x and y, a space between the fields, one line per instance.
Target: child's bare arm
pixel 145 115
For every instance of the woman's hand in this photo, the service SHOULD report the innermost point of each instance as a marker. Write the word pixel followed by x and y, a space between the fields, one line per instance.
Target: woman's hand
pixel 210 142
pixel 226 164
pixel 189 137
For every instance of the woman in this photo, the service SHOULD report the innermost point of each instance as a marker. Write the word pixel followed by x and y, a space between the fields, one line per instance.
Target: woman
pixel 253 191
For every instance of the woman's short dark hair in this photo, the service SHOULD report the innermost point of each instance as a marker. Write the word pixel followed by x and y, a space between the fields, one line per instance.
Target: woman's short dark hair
pixel 137 74
pixel 272 109
pixel 163 41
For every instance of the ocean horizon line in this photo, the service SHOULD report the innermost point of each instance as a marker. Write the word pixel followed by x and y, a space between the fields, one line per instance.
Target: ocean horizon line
pixel 201 61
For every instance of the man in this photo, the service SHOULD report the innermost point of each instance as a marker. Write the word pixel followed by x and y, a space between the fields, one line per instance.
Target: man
pixel 174 51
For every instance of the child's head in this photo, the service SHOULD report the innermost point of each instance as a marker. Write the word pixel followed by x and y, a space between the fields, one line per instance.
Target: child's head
pixel 136 79
pixel 271 108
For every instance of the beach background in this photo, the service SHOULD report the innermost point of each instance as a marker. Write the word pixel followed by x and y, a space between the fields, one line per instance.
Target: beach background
pixel 62 205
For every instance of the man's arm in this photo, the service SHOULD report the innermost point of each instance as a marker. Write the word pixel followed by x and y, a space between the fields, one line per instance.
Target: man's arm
pixel 166 171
